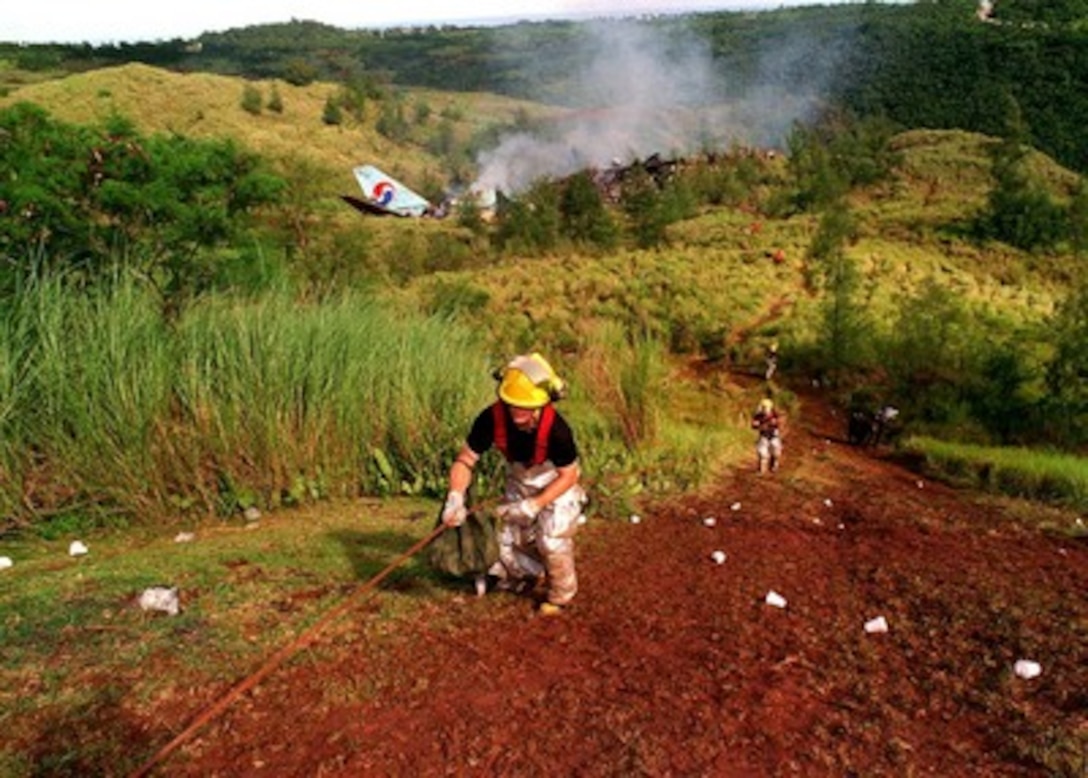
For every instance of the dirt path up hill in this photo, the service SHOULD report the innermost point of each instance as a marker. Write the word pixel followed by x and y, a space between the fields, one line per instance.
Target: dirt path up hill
pixel 672 665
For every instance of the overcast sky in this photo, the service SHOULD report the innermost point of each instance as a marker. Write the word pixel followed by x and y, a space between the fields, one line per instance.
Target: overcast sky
pixel 115 21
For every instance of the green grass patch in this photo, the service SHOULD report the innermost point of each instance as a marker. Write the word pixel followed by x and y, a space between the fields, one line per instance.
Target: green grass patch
pixel 1019 472
pixel 82 661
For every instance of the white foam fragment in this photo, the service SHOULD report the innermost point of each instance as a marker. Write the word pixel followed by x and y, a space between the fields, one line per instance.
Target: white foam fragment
pixel 1027 669
pixel 877 625
pixel 775 599
pixel 77 548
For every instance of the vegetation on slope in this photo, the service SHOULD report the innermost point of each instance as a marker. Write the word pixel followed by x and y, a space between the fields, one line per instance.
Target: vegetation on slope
pixel 864 253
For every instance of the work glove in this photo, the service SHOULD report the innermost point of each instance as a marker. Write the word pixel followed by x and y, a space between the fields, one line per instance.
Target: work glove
pixel 522 512
pixel 454 512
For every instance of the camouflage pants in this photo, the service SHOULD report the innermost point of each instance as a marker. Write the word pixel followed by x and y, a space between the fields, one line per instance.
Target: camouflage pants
pixel 545 546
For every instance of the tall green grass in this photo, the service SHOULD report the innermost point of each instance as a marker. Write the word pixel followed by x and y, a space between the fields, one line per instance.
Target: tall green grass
pixel 86 380
pixel 345 397
pixel 1019 472
pixel 110 410
pixel 242 402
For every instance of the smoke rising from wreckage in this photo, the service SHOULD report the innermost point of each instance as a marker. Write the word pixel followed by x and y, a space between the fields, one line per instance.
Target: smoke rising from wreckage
pixel 655 100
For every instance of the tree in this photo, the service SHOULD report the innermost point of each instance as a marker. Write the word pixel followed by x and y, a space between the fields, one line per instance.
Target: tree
pixel 530 223
pixel 583 217
pixel 252 100
pixel 641 202
pixel 1019 210
pixel 275 101
pixel 1067 373
pixel 332 114
pixel 391 123
pixel 929 351
pixel 299 72
pixel 89 199
pixel 1005 394
pixel 1078 220
pixel 844 324
pixel 816 183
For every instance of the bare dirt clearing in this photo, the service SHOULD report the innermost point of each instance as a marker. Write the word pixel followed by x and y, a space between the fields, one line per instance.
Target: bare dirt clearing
pixel 670 664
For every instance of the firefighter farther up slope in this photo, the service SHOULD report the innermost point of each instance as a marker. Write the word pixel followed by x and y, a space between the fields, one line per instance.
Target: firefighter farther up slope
pixel 543 500
pixel 769 443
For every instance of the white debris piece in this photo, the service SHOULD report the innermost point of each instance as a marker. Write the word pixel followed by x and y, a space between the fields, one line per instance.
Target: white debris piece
pixel 481 585
pixel 1025 668
pixel 5 562
pixel 252 513
pixel 827 501
pixel 718 557
pixel 735 506
pixel 184 537
pixel 160 598
pixel 709 521
pixel 921 484
pixel 879 624
pixel 635 518
pixel 77 548
pixel 775 599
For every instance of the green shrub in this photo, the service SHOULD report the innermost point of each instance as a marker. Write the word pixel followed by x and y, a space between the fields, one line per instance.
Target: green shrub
pixel 252 101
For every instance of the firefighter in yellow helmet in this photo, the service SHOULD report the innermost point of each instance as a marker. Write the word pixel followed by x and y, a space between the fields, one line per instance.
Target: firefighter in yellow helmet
pixel 543 501
pixel 769 443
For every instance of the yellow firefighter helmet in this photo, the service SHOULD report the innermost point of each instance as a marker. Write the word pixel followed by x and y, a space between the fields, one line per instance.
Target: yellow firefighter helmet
pixel 528 381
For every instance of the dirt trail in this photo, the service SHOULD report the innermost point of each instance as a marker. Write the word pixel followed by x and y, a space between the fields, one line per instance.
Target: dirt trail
pixel 671 665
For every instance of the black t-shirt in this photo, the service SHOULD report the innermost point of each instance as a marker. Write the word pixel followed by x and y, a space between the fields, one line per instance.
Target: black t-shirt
pixel 522 445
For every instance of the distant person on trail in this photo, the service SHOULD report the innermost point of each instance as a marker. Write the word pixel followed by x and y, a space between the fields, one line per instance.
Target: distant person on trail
pixel 871 428
pixel 769 442
pixel 772 361
pixel 882 420
pixel 543 501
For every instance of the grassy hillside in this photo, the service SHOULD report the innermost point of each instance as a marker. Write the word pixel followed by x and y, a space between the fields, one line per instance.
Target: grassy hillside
pixel 729 279
pixel 716 269
pixel 716 274
pixel 203 105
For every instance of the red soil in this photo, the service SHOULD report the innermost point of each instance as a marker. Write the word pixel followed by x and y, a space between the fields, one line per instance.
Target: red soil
pixel 671 665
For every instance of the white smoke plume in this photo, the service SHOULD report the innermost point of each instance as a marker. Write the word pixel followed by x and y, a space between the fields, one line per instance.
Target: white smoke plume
pixel 651 93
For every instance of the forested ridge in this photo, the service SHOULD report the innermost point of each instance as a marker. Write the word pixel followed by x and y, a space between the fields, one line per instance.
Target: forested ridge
pixel 939 65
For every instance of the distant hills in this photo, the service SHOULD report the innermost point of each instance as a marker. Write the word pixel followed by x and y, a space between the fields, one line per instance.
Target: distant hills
pixel 924 65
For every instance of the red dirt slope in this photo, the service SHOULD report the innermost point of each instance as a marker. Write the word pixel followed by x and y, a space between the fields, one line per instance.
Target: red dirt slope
pixel 672 665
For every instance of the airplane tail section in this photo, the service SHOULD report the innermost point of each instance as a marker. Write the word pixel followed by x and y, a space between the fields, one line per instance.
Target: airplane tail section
pixel 386 194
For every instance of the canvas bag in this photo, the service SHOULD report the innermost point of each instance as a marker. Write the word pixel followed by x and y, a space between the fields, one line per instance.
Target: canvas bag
pixel 468 550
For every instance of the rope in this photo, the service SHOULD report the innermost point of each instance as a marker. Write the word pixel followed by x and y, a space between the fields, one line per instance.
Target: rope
pixel 280 657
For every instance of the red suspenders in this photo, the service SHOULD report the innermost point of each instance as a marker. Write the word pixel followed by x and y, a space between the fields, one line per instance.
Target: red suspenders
pixel 543 432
